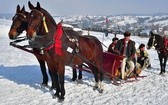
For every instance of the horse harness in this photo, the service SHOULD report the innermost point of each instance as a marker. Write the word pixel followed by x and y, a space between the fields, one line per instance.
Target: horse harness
pixel 74 51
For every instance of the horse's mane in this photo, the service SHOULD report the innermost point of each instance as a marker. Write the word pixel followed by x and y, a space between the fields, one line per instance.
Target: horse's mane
pixel 70 32
pixel 159 39
pixel 67 30
pixel 51 18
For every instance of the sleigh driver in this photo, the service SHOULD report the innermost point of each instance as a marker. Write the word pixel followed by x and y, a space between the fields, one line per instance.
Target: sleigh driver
pixel 126 48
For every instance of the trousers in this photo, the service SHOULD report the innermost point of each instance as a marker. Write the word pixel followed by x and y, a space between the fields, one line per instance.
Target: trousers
pixel 123 67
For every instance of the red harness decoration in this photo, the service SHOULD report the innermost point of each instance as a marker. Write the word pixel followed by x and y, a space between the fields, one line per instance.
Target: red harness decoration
pixel 57 40
pixel 57 37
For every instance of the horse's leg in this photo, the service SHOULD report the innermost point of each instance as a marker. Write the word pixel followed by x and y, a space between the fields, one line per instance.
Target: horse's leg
pixel 161 64
pixel 80 73
pixel 57 86
pixel 54 80
pixel 43 71
pixel 95 73
pixel 74 74
pixel 45 76
pixel 165 60
pixel 100 71
pixel 60 70
pixel 62 89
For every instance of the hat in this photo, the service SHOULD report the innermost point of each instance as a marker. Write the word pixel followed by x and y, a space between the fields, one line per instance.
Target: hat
pixel 115 39
pixel 127 34
pixel 141 45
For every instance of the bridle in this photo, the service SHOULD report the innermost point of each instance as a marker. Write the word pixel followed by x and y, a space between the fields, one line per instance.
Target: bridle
pixel 153 42
pixel 23 19
pixel 43 19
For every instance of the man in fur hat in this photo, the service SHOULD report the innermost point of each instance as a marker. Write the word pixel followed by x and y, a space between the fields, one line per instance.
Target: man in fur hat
pixel 112 45
pixel 126 48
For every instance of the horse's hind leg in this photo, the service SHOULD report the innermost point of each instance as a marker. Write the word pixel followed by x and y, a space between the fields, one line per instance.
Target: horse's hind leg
pixel 98 84
pixel 80 73
pixel 100 73
pixel 165 60
pixel 161 65
pixel 74 74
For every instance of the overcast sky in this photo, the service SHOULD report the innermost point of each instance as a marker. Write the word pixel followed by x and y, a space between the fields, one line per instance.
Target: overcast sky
pixel 90 7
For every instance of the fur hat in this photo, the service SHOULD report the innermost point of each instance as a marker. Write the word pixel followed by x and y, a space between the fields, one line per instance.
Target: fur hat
pixel 141 45
pixel 127 34
pixel 115 39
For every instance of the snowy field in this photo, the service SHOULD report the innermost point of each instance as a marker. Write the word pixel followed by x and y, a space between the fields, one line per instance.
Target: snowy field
pixel 20 80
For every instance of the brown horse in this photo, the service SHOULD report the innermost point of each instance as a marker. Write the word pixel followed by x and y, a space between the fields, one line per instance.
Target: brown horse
pixel 63 47
pixel 157 42
pixel 20 23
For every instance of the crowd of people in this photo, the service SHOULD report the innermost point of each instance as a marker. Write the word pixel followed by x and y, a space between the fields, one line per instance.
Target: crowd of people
pixel 133 59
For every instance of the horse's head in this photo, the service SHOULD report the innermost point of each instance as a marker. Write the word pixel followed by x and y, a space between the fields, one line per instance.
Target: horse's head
pixel 19 23
pixel 39 21
pixel 41 26
pixel 155 41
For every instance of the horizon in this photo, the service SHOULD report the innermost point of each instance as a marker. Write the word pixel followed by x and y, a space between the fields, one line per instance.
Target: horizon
pixel 90 7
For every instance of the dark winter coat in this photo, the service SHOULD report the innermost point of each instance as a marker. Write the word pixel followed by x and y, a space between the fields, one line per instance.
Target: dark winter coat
pixel 130 50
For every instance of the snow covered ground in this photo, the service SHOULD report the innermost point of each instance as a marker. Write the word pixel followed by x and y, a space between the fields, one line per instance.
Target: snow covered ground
pixel 20 80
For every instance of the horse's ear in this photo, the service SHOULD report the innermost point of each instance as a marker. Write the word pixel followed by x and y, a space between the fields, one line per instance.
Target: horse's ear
pixel 38 5
pixel 30 5
pixel 18 9
pixel 23 8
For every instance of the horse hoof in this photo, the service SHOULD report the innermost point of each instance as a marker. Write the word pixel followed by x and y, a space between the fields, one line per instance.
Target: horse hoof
pixel 73 79
pixel 56 95
pixel 61 99
pixel 95 87
pixel 161 73
pixel 100 90
pixel 44 86
pixel 52 88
